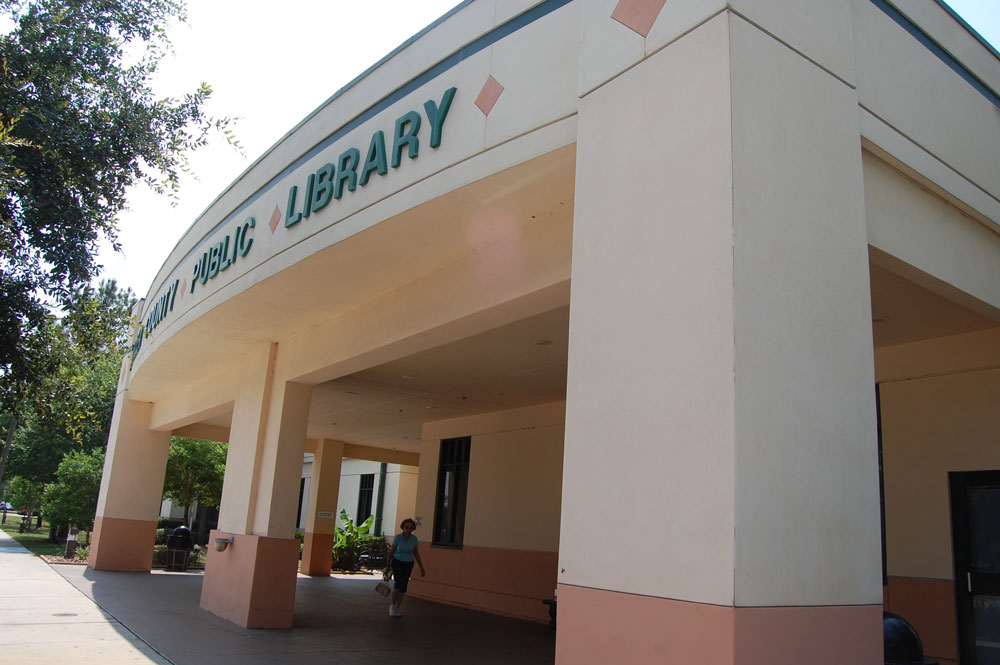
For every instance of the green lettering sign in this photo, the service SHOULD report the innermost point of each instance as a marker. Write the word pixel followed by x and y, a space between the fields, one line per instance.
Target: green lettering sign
pixel 330 182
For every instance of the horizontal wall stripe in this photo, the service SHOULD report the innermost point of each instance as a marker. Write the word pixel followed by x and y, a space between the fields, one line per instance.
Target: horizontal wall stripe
pixel 938 50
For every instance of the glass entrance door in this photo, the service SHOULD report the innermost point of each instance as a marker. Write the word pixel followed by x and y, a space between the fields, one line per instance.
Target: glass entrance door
pixel 975 519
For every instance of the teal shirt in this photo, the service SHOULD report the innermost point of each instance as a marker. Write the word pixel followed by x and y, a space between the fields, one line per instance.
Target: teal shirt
pixel 404 547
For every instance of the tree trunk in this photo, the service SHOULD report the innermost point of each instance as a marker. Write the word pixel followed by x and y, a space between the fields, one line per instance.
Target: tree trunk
pixel 6 448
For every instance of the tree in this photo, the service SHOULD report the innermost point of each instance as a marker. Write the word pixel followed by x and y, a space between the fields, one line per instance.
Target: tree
pixel 25 494
pixel 72 499
pixel 195 470
pixel 79 124
pixel 69 407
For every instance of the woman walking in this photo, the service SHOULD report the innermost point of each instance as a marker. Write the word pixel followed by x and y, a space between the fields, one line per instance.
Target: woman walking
pixel 402 554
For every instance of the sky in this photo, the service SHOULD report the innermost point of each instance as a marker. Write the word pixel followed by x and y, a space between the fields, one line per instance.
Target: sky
pixel 270 69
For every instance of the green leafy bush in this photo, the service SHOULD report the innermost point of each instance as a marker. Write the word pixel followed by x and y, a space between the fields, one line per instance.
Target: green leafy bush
pixel 72 499
pixel 373 550
pixel 347 544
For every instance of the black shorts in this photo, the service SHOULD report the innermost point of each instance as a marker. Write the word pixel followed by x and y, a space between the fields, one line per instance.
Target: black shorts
pixel 401 573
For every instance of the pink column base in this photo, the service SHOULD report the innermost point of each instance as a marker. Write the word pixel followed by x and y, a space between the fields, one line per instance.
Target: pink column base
pixel 598 626
pixel 317 557
pixel 122 545
pixel 251 583
pixel 826 635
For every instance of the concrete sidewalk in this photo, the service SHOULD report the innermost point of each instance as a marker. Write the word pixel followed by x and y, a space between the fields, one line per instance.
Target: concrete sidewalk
pixel 79 615
pixel 46 619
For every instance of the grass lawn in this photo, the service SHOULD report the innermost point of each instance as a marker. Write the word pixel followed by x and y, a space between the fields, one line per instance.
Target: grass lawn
pixel 36 541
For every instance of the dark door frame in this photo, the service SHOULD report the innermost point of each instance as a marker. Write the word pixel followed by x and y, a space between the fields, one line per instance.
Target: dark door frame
pixel 967 582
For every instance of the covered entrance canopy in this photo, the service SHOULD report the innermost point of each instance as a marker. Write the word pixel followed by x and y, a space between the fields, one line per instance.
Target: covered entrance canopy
pixel 619 278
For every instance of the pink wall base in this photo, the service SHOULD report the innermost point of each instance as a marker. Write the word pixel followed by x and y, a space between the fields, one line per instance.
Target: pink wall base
pixel 317 554
pixel 508 582
pixel 252 583
pixel 123 545
pixel 598 626
pixel 929 606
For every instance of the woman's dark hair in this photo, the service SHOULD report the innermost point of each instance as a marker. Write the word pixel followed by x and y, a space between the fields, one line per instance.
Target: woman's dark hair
pixel 403 523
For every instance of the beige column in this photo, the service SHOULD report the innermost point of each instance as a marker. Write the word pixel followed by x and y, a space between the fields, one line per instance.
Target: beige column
pixel 720 409
pixel 321 516
pixel 131 490
pixel 252 581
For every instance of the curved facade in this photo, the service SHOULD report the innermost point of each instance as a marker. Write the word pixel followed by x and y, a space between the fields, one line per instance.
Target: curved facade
pixel 621 279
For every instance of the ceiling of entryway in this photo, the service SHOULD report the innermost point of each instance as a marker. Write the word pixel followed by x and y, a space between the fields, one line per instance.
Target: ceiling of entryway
pixel 525 363
pixel 903 311
pixel 515 365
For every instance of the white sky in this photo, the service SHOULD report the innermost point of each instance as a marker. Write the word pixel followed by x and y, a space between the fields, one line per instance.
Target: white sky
pixel 271 69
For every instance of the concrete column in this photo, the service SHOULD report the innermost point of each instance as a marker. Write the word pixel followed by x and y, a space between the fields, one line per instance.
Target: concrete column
pixel 131 490
pixel 720 409
pixel 323 492
pixel 252 581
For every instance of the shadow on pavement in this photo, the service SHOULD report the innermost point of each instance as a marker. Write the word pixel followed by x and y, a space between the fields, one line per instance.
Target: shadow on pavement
pixel 337 621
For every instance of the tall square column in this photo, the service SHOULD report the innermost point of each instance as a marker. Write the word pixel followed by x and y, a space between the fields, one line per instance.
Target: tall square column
pixel 720 397
pixel 128 506
pixel 321 518
pixel 252 581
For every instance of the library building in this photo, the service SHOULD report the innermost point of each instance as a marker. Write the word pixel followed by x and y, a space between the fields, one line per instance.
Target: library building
pixel 683 315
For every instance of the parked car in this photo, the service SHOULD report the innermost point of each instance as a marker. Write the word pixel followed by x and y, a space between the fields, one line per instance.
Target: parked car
pixel 5 505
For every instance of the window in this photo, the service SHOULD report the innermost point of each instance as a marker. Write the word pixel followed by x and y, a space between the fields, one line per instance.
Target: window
pixel 302 494
pixel 365 497
pixel 452 487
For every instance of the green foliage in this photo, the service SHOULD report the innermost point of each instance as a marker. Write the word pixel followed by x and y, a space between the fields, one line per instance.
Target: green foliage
pixel 347 547
pixel 37 541
pixel 195 470
pixel 159 556
pixel 72 499
pixel 196 558
pixel 69 407
pixel 83 552
pixel 372 551
pixel 79 125
pixel 168 524
pixel 25 494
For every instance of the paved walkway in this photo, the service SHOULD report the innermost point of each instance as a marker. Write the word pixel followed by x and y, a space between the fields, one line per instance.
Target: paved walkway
pixel 76 614
pixel 46 620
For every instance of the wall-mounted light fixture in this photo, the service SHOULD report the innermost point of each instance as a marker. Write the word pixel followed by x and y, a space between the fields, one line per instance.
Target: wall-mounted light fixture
pixel 222 543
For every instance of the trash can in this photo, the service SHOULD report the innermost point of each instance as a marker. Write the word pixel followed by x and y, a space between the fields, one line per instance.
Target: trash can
pixel 901 643
pixel 180 542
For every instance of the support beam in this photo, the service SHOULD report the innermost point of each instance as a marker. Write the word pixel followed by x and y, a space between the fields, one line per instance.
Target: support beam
pixel 131 489
pixel 321 515
pixel 735 430
pixel 252 581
